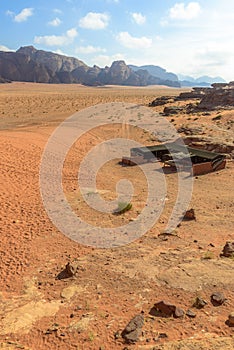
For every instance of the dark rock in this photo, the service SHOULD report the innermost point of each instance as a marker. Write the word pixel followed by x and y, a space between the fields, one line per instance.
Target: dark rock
pixel 164 307
pixel 189 215
pixel 172 110
pixel 228 250
pixel 69 271
pixel 159 101
pixel 217 298
pixel 199 303
pixel 162 336
pixel 133 330
pixel 190 313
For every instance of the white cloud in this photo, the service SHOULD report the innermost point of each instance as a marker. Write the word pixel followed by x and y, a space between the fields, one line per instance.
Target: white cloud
pixel 55 22
pixel 181 11
pixel 132 42
pixel 88 49
pixel 23 15
pixel 4 48
pixel 57 40
pixel 71 33
pixel 57 11
pixel 94 20
pixel 138 18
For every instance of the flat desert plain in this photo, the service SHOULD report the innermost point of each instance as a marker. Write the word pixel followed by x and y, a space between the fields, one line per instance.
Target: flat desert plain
pixel 89 310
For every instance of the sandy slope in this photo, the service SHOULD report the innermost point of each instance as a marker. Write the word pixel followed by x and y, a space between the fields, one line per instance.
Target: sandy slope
pixel 112 285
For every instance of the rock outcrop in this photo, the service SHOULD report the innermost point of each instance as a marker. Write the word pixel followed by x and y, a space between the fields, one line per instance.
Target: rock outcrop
pixel 221 95
pixel 197 92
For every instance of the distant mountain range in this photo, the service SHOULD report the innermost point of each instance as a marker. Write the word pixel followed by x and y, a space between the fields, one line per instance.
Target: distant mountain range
pixel 32 65
pixel 205 80
pixel 156 71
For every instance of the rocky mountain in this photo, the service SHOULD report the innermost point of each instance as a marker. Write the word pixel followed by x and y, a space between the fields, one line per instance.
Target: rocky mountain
pixel 15 66
pixel 54 62
pixel 30 64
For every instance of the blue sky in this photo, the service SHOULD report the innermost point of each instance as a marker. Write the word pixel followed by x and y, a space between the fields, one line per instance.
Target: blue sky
pixel 189 37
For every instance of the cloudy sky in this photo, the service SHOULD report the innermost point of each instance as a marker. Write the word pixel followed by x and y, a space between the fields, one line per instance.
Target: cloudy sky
pixel 189 37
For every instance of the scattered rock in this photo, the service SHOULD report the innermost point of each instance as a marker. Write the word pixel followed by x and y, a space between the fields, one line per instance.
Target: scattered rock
pixel 190 313
pixel 231 319
pixel 178 312
pixel 69 271
pixel 189 215
pixel 133 330
pixel 199 303
pixel 172 110
pixel 217 298
pixel 228 250
pixel 164 307
pixel 218 117
pixel 162 336
pixel 117 335
pixel 159 101
pixel 190 131
pixel 53 328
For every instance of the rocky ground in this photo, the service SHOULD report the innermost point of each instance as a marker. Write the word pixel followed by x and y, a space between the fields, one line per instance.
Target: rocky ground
pixel 58 294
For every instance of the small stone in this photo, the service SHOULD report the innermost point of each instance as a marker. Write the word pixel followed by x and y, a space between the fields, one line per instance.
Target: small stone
pixel 178 312
pixel 231 319
pixel 117 335
pixel 217 298
pixel 190 313
pixel 189 215
pixel 199 303
pixel 228 250
pixel 78 308
pixel 162 336
pixel 133 330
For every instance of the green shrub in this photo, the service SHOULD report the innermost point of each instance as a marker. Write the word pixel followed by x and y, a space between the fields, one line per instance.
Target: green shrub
pixel 123 207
